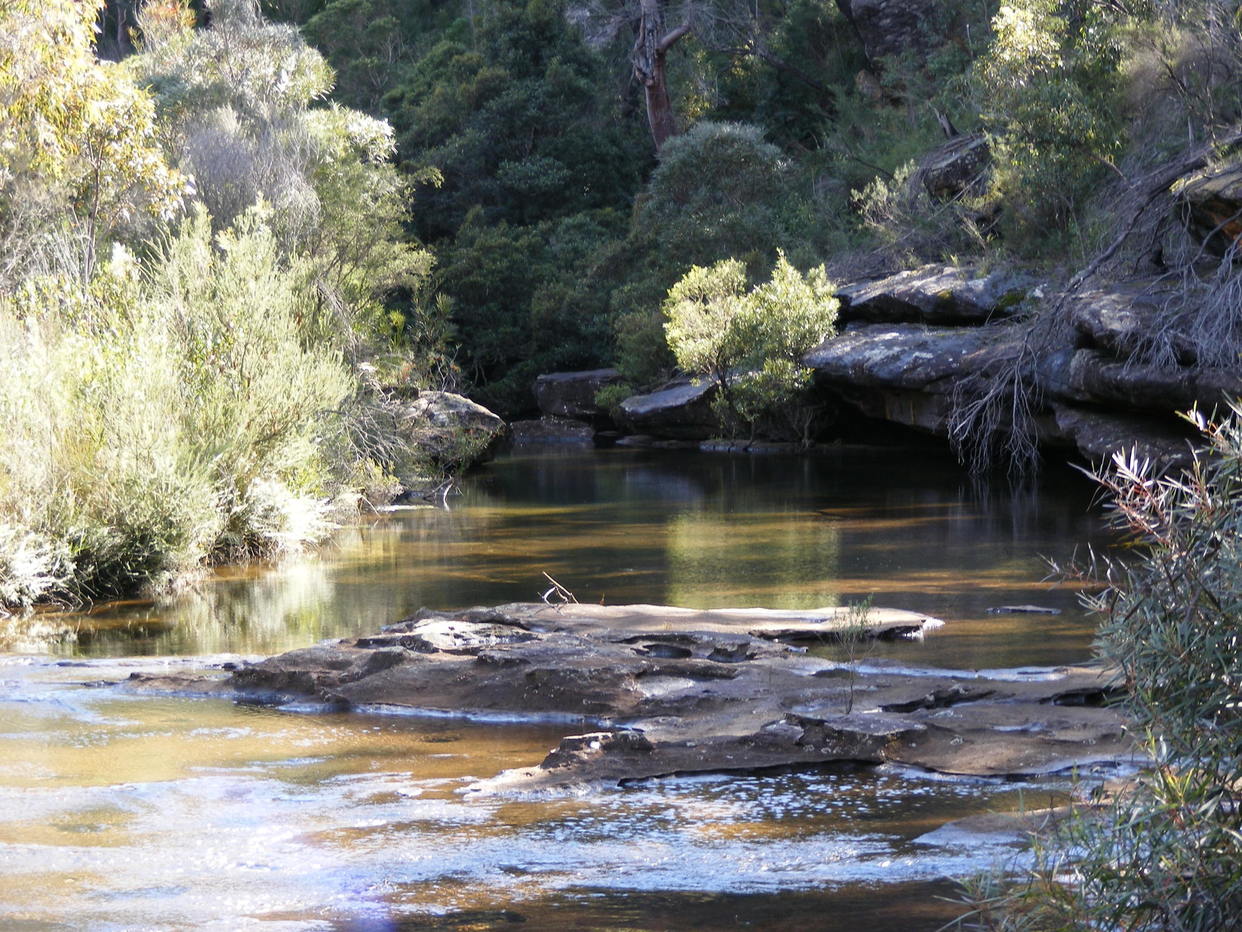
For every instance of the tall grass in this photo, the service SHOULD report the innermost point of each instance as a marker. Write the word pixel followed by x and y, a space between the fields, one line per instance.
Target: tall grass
pixel 161 416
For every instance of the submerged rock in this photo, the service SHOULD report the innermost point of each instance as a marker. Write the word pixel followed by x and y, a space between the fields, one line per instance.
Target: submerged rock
pixel 552 431
pixel 670 690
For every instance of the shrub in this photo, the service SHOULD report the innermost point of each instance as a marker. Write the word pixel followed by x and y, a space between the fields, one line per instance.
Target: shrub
pixel 1049 88
pixel 240 104
pixel 749 342
pixel 156 421
pixel 720 191
pixel 1167 855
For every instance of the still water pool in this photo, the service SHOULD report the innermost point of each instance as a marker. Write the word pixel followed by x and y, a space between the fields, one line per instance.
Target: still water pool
pixel 122 812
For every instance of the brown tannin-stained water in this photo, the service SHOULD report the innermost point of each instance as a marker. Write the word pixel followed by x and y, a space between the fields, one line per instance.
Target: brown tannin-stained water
pixel 122 812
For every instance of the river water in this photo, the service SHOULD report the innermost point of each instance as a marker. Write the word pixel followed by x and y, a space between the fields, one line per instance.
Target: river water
pixel 120 812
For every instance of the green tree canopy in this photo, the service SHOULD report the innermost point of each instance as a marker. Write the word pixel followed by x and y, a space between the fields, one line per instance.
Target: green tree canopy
pixel 749 342
pixel 78 143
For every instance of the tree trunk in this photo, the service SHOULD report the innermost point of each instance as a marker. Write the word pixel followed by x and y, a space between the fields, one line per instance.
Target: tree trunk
pixel 650 49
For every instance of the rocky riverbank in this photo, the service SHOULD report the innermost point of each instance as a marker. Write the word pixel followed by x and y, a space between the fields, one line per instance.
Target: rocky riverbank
pixel 647 691
pixel 1104 360
pixel 917 346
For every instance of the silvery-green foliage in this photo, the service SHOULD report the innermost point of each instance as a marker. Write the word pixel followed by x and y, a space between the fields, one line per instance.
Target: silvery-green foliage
pixel 749 342
pixel 1166 853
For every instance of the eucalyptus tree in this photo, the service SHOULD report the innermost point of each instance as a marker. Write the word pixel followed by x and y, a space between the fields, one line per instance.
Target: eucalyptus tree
pixel 738 28
pixel 243 103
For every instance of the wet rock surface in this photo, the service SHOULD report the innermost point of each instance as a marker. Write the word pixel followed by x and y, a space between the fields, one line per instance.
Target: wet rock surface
pixel 654 690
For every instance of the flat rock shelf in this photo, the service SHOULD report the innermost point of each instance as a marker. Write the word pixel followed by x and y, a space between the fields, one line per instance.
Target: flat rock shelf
pixel 654 691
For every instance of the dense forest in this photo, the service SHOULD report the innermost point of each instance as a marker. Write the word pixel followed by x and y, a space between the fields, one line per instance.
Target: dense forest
pixel 587 154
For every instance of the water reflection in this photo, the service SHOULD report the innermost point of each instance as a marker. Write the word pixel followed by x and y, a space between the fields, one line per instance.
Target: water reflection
pixel 124 812
pixel 901 527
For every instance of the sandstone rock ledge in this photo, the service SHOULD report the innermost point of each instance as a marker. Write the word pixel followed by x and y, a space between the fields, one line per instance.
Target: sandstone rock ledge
pixel 671 690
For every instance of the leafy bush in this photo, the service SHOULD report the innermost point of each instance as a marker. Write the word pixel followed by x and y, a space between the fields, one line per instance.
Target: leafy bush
pixel 750 343
pixel 1049 91
pixel 1167 854
pixel 720 191
pixel 716 192
pixel 158 420
pixel 241 104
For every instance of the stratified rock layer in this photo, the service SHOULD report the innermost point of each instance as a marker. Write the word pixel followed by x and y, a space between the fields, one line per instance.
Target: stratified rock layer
pixel 935 294
pixel 668 690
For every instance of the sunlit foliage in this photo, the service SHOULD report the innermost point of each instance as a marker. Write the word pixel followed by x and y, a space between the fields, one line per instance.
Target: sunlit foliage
pixel 1049 94
pixel 157 418
pixel 749 342
pixel 242 103
pixel 1166 853
pixel 79 154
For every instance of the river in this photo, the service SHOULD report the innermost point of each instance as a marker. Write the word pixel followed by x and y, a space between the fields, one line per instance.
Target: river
pixel 121 812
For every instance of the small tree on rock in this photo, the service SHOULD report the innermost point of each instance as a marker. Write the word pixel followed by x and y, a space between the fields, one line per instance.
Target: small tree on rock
pixel 751 343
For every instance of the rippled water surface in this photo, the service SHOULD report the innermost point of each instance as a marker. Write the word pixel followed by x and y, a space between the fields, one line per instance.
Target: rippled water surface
pixel 119 811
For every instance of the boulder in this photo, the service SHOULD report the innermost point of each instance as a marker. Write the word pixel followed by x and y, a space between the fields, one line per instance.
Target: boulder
pixel 958 167
pixel 1211 203
pixel 572 394
pixel 681 410
pixel 935 294
pixel 907 373
pixel 453 431
pixel 909 356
